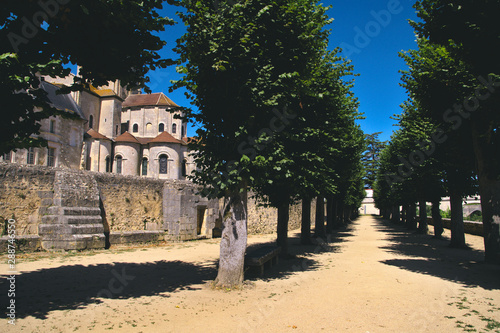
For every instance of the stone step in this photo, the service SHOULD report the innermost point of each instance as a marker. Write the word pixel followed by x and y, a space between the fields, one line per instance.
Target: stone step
pixel 87 229
pixel 54 230
pixel 74 242
pixel 82 220
pixel 50 219
pixel 80 211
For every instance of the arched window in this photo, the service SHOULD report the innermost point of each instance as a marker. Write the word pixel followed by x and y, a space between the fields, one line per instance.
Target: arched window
pixel 108 164
pixel 31 156
pixel 91 121
pixel 135 128
pixel 174 128
pixel 161 127
pixel 183 131
pixel 183 168
pixel 119 161
pixel 144 166
pixel 163 164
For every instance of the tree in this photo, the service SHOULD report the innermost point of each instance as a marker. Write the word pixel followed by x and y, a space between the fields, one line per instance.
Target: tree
pixel 371 157
pixel 244 60
pixel 469 31
pixel 109 40
pixel 303 158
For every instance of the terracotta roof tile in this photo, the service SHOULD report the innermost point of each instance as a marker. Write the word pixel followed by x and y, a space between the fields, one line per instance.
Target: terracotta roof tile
pixel 156 99
pixel 96 135
pixel 127 137
pixel 166 137
pixel 102 92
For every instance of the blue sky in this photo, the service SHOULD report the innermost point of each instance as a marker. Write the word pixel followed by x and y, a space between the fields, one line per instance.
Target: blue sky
pixel 371 32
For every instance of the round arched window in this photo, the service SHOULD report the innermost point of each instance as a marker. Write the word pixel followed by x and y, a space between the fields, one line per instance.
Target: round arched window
pixel 163 164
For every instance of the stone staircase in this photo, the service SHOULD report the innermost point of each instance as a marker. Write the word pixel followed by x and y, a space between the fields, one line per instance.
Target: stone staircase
pixel 74 220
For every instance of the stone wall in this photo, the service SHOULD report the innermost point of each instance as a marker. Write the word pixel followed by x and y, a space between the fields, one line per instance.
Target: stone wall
pixel 131 203
pixel 23 191
pixel 470 227
pixel 263 220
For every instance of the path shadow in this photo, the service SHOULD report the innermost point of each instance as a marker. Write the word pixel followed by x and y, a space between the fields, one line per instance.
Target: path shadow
pixel 435 257
pixel 301 256
pixel 76 286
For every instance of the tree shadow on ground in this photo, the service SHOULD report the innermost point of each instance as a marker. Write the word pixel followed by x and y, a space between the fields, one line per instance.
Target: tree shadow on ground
pixel 301 256
pixel 72 287
pixel 435 257
pixel 76 286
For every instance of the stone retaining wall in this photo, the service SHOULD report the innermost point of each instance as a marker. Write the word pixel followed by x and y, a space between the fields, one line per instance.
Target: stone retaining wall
pixel 470 227
pixel 132 208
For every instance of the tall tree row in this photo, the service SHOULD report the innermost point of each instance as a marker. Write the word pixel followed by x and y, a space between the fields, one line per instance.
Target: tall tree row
pixel 451 83
pixel 272 102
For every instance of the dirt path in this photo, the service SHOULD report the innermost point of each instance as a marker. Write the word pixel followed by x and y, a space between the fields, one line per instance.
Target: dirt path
pixel 373 277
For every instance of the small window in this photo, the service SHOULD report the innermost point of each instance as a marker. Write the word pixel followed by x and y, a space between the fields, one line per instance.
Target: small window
pixel 91 121
pixel 52 128
pixel 116 130
pixel 174 128
pixel 119 161
pixel 183 131
pixel 161 127
pixel 163 164
pixel 183 168
pixel 7 157
pixel 108 164
pixel 51 157
pixel 31 156
pixel 135 128
pixel 144 166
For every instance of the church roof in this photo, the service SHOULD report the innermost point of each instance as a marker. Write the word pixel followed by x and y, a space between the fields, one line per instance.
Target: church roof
pixel 127 137
pixel 102 92
pixel 63 102
pixel 96 135
pixel 165 137
pixel 156 99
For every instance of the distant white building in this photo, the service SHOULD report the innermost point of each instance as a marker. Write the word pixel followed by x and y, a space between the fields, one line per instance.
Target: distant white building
pixel 368 204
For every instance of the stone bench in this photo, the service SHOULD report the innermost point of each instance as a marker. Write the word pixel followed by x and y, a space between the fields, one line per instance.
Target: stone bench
pixel 261 256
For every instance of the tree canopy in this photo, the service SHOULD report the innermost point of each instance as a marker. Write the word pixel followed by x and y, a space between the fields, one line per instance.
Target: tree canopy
pixel 109 40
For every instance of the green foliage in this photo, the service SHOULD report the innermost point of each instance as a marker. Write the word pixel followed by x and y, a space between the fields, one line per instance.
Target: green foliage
pixel 446 213
pixel 248 67
pixel 371 157
pixel 94 34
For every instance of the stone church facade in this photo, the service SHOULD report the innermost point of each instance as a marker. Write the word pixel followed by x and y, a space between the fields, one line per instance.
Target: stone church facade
pixel 114 130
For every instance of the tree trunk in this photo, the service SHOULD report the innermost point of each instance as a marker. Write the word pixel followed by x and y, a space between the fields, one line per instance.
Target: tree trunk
pixel 305 228
pixel 486 153
pixel 329 215
pixel 337 223
pixel 233 241
pixel 490 206
pixel 457 221
pixel 423 228
pixel 403 215
pixel 437 220
pixel 282 232
pixel 395 215
pixel 319 225
pixel 412 221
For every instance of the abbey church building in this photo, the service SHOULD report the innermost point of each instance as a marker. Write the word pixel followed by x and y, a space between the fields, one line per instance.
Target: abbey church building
pixel 118 131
